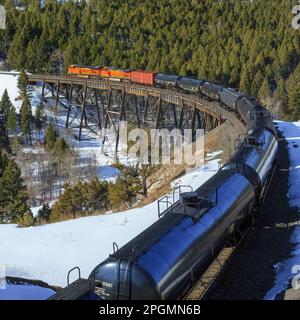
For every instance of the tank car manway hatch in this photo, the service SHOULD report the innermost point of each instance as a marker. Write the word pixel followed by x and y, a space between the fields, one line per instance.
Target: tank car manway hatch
pixel 190 203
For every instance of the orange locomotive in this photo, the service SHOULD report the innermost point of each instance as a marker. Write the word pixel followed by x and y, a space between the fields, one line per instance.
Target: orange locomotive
pixel 83 71
pixel 114 74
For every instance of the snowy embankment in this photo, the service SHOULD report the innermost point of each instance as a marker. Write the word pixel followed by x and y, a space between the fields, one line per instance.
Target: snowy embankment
pixel 288 269
pixel 90 153
pixel 9 82
pixel 89 149
pixel 48 252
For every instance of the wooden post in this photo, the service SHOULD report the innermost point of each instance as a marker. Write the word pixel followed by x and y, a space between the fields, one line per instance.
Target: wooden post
pixel 69 105
pixel 120 119
pixel 158 118
pixel 82 112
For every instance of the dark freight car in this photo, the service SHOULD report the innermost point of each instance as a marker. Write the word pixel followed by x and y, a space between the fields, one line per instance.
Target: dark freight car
pixel 256 156
pixel 189 84
pixel 230 96
pixel 166 80
pixel 211 90
pixel 245 109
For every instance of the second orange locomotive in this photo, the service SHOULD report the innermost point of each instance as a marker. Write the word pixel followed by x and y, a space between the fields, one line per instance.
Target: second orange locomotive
pixel 114 74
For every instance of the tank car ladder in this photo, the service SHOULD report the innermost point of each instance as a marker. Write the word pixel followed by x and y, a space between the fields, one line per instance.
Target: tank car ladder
pixel 124 280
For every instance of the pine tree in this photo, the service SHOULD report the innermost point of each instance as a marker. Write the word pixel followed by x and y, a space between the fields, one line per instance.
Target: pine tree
pixel 26 118
pixel 293 89
pixel 22 84
pixel 234 77
pixel 13 195
pixel 4 142
pixel 245 83
pixel 60 147
pixel 12 120
pixel 11 181
pixel 5 106
pixel 38 120
pixel 131 182
pixel 282 98
pixel 3 162
pixel 285 59
pixel 25 220
pixel 50 138
pixel 117 194
pixel 144 172
pixel 44 213
pixel 264 91
pixel 70 203
pixel 84 198
pixel 256 83
pixel 97 195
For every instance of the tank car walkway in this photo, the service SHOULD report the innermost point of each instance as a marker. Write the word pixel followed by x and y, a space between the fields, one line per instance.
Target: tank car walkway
pixel 249 274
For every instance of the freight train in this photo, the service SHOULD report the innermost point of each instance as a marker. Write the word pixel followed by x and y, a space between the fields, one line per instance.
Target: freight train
pixel 164 261
pixel 229 97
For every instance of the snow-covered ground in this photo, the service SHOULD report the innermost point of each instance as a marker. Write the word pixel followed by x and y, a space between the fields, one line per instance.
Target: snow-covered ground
pixel 47 252
pixel 90 148
pixel 90 151
pixel 9 82
pixel 288 269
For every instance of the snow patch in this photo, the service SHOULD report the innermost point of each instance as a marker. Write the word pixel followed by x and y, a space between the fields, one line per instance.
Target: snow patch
pixel 48 252
pixel 291 132
pixel 9 82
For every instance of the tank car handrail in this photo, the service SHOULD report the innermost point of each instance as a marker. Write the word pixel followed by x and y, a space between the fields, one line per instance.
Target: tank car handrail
pixel 69 273
pixel 179 188
pixel 115 248
pixel 165 200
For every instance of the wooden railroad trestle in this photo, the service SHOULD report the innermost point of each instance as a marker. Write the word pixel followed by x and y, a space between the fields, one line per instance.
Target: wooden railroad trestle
pixel 99 104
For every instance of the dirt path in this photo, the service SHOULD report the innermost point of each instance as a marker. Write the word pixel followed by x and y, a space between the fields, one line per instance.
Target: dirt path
pixel 250 273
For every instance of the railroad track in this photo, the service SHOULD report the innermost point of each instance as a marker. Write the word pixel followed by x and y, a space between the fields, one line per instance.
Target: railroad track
pixel 198 291
pixel 212 273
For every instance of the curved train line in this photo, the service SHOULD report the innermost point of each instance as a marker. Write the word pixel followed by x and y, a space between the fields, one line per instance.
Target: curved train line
pixel 166 260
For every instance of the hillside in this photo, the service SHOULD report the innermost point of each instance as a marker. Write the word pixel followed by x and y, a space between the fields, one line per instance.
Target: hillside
pixel 246 44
